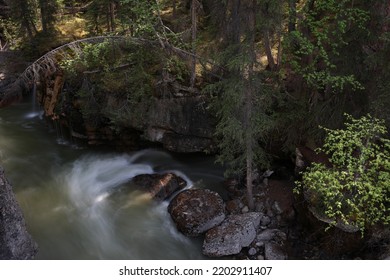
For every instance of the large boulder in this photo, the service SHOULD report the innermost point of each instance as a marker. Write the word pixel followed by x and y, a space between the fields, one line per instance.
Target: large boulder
pixel 196 211
pixel 160 186
pixel 236 232
pixel 15 241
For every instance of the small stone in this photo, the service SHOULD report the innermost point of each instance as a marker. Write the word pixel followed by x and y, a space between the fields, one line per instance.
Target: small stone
pixel 270 213
pixel 260 257
pixel 276 208
pixel 266 235
pixel 245 210
pixel 260 207
pixel 280 235
pixel 252 251
pixel 265 221
pixel 260 244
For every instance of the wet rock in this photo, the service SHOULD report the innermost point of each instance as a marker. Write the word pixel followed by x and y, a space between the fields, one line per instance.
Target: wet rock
pixel 274 251
pixel 196 211
pixel 15 241
pixel 160 186
pixel 236 232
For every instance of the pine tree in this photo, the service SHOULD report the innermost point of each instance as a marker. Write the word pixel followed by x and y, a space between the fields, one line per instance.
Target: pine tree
pixel 244 96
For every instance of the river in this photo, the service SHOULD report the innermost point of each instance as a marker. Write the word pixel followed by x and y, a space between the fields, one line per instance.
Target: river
pixel 75 199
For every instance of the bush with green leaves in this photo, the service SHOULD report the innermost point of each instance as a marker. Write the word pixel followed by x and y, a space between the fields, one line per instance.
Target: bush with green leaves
pixel 355 190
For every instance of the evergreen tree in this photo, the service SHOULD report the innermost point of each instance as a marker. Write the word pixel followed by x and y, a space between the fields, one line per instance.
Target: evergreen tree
pixel 24 13
pixel 322 55
pixel 245 96
pixel 48 11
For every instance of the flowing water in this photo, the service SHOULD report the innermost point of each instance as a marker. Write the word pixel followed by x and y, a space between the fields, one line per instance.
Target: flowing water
pixel 77 202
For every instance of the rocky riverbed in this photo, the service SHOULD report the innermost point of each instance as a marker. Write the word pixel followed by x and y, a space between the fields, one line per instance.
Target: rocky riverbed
pixel 279 228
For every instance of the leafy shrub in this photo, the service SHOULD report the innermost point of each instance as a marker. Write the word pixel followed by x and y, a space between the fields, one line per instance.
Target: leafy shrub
pixel 355 191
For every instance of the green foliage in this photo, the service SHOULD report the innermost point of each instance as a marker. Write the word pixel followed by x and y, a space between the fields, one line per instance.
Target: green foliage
pixel 141 17
pixel 48 11
pixel 317 45
pixel 118 79
pixel 92 57
pixel 356 189
pixel 233 130
pixel 24 13
pixel 11 32
pixel 378 65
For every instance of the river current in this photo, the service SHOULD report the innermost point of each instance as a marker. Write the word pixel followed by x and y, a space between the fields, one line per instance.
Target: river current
pixel 77 202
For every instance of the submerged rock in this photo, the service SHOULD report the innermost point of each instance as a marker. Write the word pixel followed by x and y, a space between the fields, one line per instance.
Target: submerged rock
pixel 160 186
pixel 15 242
pixel 236 232
pixel 196 211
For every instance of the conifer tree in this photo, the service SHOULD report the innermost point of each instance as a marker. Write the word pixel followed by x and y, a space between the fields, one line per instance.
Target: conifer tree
pixel 244 99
